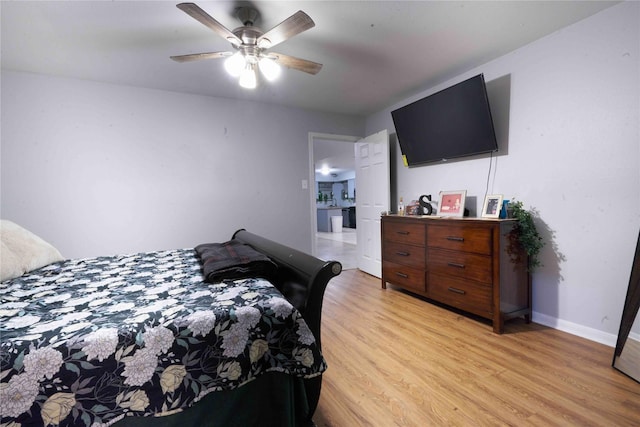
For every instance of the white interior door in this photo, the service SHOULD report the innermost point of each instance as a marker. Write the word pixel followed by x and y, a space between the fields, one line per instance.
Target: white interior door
pixel 372 186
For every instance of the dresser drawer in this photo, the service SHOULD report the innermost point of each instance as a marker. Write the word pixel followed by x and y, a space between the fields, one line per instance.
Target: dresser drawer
pixel 403 276
pixel 403 232
pixel 404 254
pixel 460 237
pixel 460 264
pixel 457 292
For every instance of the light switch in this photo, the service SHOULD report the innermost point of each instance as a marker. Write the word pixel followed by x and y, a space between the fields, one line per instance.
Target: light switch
pixel 305 184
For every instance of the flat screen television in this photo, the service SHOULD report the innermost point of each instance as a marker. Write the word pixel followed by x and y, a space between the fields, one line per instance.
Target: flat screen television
pixel 455 122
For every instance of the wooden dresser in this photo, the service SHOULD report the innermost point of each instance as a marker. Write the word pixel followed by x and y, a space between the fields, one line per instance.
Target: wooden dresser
pixel 461 262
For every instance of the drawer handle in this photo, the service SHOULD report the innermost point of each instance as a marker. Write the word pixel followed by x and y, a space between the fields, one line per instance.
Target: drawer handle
pixel 404 276
pixel 455 239
pixel 457 291
pixel 456 265
pixel 403 253
pixel 404 233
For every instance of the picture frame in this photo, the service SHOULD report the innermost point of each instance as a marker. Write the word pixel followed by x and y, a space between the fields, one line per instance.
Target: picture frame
pixel 492 206
pixel 451 203
pixel 412 208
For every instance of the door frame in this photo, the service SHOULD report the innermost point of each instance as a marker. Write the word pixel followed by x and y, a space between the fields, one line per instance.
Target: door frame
pixel 313 138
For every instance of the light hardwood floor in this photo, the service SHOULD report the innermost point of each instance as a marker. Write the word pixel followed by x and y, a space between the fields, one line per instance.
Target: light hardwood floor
pixel 397 360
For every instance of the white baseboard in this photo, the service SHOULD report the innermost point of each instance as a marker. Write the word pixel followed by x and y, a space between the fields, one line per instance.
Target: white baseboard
pixel 575 329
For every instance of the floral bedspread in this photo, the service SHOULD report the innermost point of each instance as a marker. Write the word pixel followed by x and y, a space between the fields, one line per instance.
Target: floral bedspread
pixel 85 342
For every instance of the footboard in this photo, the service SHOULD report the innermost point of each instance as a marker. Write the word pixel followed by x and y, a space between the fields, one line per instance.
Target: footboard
pixel 302 279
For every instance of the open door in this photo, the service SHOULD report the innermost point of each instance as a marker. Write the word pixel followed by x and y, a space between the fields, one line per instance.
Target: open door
pixel 372 183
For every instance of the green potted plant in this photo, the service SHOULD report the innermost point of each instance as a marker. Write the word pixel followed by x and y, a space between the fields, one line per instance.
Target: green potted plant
pixel 524 235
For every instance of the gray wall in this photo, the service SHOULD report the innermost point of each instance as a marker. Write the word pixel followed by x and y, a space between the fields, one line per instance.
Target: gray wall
pixel 567 112
pixel 98 169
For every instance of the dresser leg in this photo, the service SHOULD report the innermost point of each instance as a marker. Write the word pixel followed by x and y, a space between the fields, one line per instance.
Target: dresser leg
pixel 498 323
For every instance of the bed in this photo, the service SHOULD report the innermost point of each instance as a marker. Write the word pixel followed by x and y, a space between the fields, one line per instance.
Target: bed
pixel 148 340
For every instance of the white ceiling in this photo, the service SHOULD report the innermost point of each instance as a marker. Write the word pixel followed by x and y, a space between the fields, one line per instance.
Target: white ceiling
pixel 375 53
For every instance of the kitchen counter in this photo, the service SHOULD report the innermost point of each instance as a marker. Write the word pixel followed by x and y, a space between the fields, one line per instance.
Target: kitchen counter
pixel 324 217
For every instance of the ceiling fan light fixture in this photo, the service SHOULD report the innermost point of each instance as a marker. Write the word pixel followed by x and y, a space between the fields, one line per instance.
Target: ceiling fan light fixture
pixel 250 43
pixel 234 41
pixel 235 64
pixel 269 68
pixel 264 43
pixel 248 78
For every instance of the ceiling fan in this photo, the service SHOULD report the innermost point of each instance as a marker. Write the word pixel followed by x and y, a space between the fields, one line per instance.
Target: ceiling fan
pixel 251 45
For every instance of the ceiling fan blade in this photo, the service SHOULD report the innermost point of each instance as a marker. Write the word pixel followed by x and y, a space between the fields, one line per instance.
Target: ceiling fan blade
pixel 194 11
pixel 197 56
pixel 296 63
pixel 295 24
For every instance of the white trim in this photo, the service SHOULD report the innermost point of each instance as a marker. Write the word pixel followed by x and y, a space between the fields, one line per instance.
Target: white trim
pixel 575 329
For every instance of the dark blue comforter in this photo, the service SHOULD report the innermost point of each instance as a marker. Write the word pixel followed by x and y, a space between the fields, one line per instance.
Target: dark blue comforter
pixel 85 342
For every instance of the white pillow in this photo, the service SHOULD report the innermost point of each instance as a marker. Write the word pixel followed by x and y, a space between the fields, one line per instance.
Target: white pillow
pixel 23 251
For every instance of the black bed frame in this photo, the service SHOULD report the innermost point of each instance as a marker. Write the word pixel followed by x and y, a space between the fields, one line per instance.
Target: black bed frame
pixel 302 279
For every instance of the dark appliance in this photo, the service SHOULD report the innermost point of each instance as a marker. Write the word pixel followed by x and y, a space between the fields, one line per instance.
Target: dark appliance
pixel 352 217
pixel 454 122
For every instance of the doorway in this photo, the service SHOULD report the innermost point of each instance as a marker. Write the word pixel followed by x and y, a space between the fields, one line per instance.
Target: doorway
pixel 372 176
pixel 333 193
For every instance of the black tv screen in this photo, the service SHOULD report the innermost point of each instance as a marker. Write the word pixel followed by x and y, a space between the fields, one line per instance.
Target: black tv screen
pixel 454 122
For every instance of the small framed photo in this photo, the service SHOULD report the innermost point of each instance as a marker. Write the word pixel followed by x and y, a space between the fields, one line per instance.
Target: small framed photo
pixel 492 206
pixel 412 208
pixel 452 203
